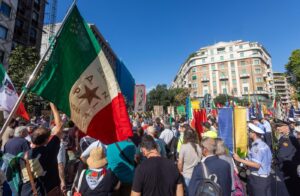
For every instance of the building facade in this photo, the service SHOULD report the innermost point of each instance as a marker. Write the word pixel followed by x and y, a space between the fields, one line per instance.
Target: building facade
pixel 8 10
pixel 29 23
pixel 237 68
pixel 282 88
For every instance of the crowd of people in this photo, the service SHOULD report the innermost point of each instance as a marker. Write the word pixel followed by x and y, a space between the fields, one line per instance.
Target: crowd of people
pixel 165 156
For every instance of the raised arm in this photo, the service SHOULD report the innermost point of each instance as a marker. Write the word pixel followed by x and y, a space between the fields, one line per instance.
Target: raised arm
pixel 57 120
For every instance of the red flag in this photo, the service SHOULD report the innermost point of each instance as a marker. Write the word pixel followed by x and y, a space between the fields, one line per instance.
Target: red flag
pixel 21 111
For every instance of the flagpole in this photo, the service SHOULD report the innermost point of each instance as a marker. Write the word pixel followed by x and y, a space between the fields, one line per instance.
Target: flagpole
pixel 35 71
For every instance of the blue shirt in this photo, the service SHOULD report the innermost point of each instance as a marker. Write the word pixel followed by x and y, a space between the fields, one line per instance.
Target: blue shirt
pixel 267 126
pixel 261 153
pixel 261 126
pixel 118 164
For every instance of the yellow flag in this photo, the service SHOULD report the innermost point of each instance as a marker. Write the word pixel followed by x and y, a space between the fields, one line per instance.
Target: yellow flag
pixel 240 127
pixel 195 104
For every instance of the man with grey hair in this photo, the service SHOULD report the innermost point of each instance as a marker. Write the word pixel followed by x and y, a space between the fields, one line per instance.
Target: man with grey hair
pixel 167 134
pixel 214 165
pixel 18 143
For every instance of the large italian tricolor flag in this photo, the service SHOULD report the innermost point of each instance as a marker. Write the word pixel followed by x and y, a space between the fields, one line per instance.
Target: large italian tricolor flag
pixel 79 80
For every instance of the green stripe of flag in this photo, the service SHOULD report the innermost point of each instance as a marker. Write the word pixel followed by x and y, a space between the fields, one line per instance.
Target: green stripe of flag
pixel 2 74
pixel 56 80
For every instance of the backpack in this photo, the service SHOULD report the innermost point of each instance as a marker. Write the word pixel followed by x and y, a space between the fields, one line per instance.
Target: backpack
pixel 171 149
pixel 209 186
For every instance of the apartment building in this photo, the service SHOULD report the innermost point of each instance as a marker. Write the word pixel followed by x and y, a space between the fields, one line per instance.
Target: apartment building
pixel 282 87
pixel 238 68
pixel 29 23
pixel 8 10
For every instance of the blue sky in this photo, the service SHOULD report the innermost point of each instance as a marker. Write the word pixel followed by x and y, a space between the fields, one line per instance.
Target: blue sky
pixel 154 37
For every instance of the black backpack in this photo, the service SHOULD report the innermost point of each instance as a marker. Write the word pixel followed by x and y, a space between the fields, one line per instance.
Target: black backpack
pixel 209 186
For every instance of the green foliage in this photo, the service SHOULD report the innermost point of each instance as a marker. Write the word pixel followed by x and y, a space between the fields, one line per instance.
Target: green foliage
pixel 21 64
pixel 293 68
pixel 161 95
pixel 221 99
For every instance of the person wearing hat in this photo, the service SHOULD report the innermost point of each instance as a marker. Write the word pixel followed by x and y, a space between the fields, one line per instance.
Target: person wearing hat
pixel 259 162
pixel 97 179
pixel 288 157
pixel 208 132
pixel 297 131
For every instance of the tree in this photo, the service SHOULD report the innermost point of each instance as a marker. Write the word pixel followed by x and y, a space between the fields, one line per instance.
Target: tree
pixel 161 95
pixel 293 68
pixel 21 64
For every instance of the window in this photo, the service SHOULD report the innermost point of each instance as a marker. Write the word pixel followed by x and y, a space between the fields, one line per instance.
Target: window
pixel 259 88
pixel 194 85
pixel 221 66
pixel 245 89
pixel 244 71
pixel 192 63
pixel 233 72
pixel 254 52
pixel 5 9
pixel 203 60
pixel 221 50
pixel 213 67
pixel 258 79
pixel 224 91
pixel 35 16
pixel 212 52
pixel 235 90
pixel 256 62
pixel 212 59
pixel 1 56
pixel 215 92
pixel 243 63
pixel 33 33
pixel 234 81
pixel 241 46
pixel 194 77
pixel 232 65
pixel 241 54
pixel 231 56
pixel 221 58
pixel 3 32
pixel 19 24
pixel 245 81
pixel 258 70
pixel 214 83
pixel 194 69
pixel 195 93
pixel 230 49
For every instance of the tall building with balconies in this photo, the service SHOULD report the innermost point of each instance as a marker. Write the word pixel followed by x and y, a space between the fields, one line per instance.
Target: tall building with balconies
pixel 238 68
pixel 282 87
pixel 8 10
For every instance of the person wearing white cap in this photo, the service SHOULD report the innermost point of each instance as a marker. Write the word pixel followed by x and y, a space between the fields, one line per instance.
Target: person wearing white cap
pixel 259 162
pixel 292 125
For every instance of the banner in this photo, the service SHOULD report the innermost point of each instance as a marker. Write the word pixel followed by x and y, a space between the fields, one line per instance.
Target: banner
pixel 171 111
pixel 226 127
pixel 158 110
pixel 139 98
pixel 180 110
pixel 240 127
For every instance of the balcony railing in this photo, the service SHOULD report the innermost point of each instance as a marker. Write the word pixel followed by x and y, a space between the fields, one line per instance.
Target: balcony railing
pixel 244 75
pixel 223 77
pixel 204 80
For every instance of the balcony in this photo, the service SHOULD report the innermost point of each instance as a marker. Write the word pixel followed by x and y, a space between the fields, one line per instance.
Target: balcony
pixel 204 80
pixel 244 75
pixel 261 92
pixel 223 77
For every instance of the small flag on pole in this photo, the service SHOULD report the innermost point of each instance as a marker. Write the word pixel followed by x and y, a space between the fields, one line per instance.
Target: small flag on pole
pixel 79 80
pixel 9 96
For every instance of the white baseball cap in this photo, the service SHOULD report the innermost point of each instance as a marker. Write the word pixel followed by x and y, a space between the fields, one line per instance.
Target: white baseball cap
pixel 255 128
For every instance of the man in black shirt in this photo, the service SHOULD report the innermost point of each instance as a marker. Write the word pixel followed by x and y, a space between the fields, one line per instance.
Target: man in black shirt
pixel 156 175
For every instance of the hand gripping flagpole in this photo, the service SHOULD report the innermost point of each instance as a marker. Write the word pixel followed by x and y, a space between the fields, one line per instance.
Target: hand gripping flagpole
pixel 35 71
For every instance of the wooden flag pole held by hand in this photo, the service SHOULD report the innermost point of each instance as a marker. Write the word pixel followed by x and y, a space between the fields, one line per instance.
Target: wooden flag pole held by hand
pixel 35 72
